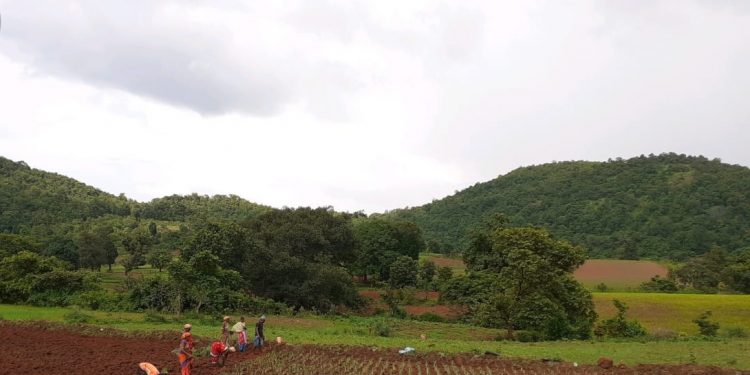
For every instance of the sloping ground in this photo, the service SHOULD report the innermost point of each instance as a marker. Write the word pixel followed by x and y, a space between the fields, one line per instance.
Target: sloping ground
pixel 40 349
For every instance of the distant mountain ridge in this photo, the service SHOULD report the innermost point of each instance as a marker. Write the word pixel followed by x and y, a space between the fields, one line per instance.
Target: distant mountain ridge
pixel 31 197
pixel 657 206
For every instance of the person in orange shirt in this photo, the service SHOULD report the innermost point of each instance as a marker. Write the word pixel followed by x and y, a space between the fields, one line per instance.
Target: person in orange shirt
pixel 186 350
pixel 145 368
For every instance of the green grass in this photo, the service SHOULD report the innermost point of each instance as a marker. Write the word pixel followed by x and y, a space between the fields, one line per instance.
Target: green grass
pixel 111 280
pixel 440 337
pixel 676 311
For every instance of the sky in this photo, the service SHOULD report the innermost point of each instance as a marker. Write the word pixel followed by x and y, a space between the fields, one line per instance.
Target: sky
pixel 363 105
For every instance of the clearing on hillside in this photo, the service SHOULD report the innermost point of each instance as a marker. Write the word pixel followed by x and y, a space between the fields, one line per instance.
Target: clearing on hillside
pixel 618 274
pixel 614 273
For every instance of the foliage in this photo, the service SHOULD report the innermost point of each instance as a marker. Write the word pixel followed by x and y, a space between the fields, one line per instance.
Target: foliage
pixel 736 332
pixel 403 272
pixel 78 317
pixel 37 279
pixel 379 243
pixel 196 208
pixel 444 275
pixel 737 274
pixel 427 271
pixel 659 284
pixel 159 259
pixel 706 326
pixel 381 328
pixel 520 278
pixel 665 206
pixel 31 197
pixel 619 326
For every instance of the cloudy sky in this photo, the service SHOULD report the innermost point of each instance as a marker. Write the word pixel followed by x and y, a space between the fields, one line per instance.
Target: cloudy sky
pixel 367 105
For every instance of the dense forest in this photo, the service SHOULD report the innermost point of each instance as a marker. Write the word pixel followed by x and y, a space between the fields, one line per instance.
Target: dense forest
pixel 658 206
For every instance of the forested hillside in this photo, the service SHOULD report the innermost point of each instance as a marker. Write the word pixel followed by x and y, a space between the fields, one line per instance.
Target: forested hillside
pixel 665 206
pixel 31 197
pixel 34 198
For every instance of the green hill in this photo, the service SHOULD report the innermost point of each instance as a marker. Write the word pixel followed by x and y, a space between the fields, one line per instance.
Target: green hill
pixel 666 206
pixel 31 197
pixel 34 198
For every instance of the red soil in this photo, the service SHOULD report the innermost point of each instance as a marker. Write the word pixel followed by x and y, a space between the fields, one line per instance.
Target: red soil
pixel 26 349
pixel 445 311
pixel 619 271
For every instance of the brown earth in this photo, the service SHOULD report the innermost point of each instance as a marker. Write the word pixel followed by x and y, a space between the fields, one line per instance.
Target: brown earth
pixel 619 271
pixel 40 349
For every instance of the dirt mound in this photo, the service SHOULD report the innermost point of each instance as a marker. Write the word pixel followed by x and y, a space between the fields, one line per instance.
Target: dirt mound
pixel 39 349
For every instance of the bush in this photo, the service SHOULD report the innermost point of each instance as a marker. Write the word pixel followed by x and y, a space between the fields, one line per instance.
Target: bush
pixel 619 326
pixel 657 284
pixel 430 317
pixel 706 326
pixel 96 300
pixel 602 287
pixel 734 332
pixel 528 336
pixel 79 317
pixel 380 328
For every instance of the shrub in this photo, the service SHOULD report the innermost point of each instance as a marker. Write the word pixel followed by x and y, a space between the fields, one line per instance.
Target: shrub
pixel 706 326
pixel 77 316
pixel 380 328
pixel 734 332
pixel 528 336
pixel 95 300
pixel 619 326
pixel 430 317
pixel 602 287
pixel 657 284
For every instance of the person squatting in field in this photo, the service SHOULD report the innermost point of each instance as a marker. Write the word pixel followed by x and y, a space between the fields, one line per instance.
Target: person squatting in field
pixel 219 352
pixel 260 337
pixel 185 356
pixel 145 368
pixel 240 331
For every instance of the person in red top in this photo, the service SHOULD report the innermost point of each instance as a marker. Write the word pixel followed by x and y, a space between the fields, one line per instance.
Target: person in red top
pixel 186 351
pixel 219 352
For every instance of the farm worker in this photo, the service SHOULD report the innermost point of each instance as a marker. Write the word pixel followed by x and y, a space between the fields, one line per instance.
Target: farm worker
pixel 240 329
pixel 145 368
pixel 260 337
pixel 225 331
pixel 219 352
pixel 186 350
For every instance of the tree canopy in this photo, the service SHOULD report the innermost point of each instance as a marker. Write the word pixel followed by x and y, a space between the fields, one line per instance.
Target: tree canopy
pixel 666 206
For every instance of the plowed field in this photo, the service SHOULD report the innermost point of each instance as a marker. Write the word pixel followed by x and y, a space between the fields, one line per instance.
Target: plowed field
pixel 26 349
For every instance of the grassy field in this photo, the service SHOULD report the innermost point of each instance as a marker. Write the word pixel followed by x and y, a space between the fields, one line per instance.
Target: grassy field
pixel 676 311
pixel 440 337
pixel 114 278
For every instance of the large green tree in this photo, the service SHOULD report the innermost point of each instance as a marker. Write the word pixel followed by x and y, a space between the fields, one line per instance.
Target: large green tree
pixel 380 242
pixel 521 278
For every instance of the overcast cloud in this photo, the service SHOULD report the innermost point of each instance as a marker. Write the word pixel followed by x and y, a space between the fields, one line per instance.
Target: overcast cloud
pixel 368 105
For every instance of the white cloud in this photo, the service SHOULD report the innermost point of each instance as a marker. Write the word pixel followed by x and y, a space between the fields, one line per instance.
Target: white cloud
pixel 362 104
